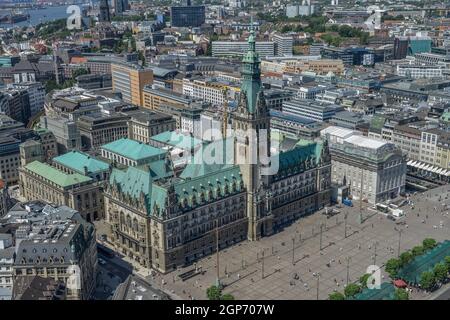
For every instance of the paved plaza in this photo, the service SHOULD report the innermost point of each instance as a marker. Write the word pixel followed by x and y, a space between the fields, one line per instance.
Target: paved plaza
pixel 247 275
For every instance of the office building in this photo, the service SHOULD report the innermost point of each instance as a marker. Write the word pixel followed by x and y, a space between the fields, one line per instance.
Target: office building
pixel 129 80
pixel 94 81
pixel 104 13
pixel 65 131
pixel 283 44
pixel 238 48
pixel 9 160
pixel 36 95
pixel 373 170
pixel 144 124
pixel 311 109
pixel 4 198
pixel 210 90
pixel 120 6
pixel 187 16
pixel 154 98
pixel 99 129
pixel 416 71
pixel 54 242
pixel 15 103
pixel 45 182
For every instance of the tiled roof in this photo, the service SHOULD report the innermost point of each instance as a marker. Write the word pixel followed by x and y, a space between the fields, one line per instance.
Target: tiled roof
pixel 54 175
pixel 78 161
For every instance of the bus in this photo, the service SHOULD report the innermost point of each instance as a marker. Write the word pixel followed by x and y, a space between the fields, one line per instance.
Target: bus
pixel 382 208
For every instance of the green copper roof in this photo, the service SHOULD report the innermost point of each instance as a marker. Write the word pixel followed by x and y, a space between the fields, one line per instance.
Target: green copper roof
pixel 132 181
pixel 137 182
pixel 133 149
pixel 81 162
pixel 205 188
pixel 197 170
pixel 54 175
pixel 251 74
pixel 294 161
pixel 176 139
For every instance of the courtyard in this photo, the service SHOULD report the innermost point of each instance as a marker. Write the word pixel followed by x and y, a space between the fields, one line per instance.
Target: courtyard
pixel 301 262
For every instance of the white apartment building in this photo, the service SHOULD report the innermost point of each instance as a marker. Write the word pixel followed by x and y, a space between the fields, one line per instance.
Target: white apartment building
pixel 420 71
pixel 209 90
pixel 232 48
pixel 428 147
pixel 283 44
pixel 36 95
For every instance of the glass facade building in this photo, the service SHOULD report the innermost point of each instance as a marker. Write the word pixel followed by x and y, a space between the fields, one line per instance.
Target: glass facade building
pixel 187 16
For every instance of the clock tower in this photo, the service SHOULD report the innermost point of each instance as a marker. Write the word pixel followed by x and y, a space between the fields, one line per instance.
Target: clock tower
pixel 251 124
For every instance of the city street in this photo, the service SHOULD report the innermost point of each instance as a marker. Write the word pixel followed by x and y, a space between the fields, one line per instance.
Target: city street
pixel 247 275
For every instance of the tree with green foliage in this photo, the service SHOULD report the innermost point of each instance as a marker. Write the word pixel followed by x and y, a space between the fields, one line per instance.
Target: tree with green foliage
pixel 226 296
pixel 427 280
pixel 51 85
pixel 286 28
pixel 351 290
pixel 417 251
pixel 405 257
pixel 79 72
pixel 401 294
pixel 213 293
pixel 363 280
pixel 336 296
pixel 440 272
pixel 429 243
pixel 392 266
pixel 447 262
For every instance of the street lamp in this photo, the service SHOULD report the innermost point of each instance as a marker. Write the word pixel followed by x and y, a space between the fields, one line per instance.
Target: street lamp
pixel 399 240
pixel 293 250
pixel 375 253
pixel 318 282
pixel 321 229
pixel 348 269
pixel 345 225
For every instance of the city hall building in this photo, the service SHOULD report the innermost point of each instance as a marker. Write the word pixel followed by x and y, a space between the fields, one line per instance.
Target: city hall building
pixel 163 219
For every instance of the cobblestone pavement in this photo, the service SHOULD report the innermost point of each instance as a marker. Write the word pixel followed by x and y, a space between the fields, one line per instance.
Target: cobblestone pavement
pixel 371 243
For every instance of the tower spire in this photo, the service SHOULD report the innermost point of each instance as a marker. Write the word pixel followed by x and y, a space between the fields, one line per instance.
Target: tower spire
pixel 251 73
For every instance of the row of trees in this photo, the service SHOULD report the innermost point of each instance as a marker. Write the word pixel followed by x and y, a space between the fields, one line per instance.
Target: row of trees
pixel 439 274
pixel 333 35
pixel 352 289
pixel 394 265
